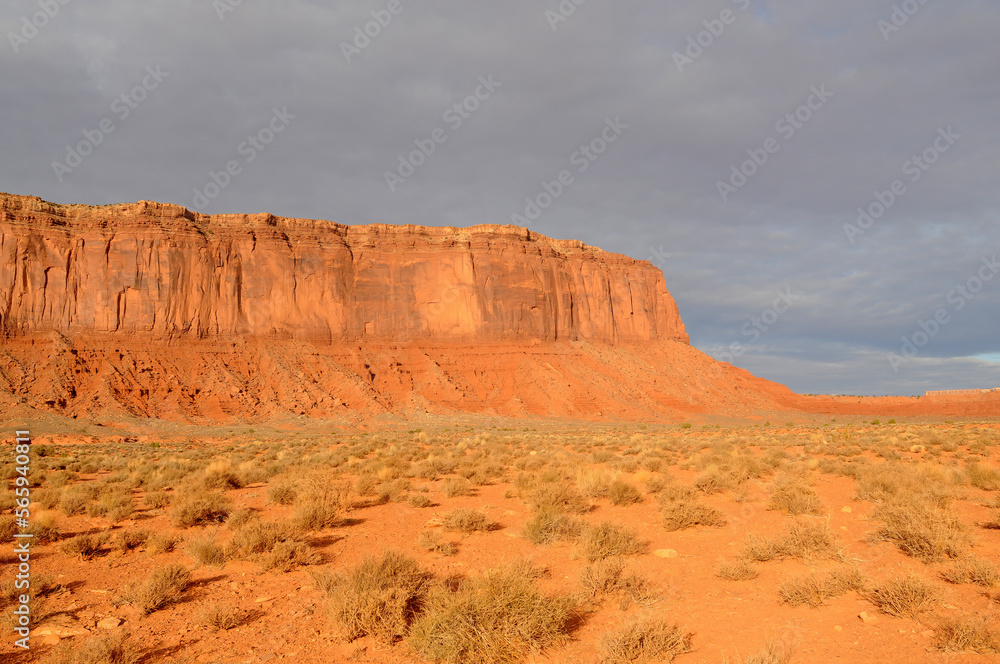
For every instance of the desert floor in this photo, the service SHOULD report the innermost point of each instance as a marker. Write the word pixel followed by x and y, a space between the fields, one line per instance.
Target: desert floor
pixel 820 540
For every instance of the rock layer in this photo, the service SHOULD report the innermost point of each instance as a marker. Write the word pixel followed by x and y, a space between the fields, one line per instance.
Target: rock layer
pixel 166 272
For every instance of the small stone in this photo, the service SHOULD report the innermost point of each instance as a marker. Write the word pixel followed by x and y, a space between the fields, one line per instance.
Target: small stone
pixel 843 527
pixel 838 628
pixel 261 600
pixel 846 509
pixel 109 623
pixel 665 553
pixel 50 640
pixel 866 619
pixel 927 632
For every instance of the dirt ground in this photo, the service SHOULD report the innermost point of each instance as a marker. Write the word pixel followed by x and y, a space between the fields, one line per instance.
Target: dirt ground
pixel 395 485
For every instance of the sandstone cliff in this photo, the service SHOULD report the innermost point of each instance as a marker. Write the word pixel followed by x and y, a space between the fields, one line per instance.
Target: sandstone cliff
pixel 161 270
pixel 151 310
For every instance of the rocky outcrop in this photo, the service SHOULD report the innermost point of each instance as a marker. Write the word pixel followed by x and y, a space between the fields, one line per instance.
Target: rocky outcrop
pixel 166 273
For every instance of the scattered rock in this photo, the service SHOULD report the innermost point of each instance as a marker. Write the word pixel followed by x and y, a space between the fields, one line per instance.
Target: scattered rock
pixel 838 628
pixel 866 618
pixel 50 640
pixel 109 623
pixel 665 553
pixel 846 509
pixel 261 600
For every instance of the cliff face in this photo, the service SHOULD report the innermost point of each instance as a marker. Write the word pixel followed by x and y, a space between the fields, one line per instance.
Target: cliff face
pixel 163 272
pixel 149 310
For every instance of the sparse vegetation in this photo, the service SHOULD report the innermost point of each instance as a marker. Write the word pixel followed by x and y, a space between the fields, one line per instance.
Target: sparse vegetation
pixel 644 641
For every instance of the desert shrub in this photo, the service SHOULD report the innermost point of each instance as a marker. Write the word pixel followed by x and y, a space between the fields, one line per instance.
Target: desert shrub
pixel 814 590
pixel 127 540
pixel 191 510
pixel 982 477
pixel 162 543
pixel 162 587
pixel 313 514
pixel 775 652
pixel 641 640
pixel 44 528
pixel 611 578
pixel 794 496
pixel 221 617
pixel 47 498
pixel 240 517
pixel 430 540
pixel 156 499
pixel 739 569
pixel 457 486
pixel 219 475
pixel 282 493
pixel 967 635
pixel 85 545
pixel 115 648
pixel 803 539
pixel 378 598
pixel 497 618
pixel 681 514
pixel 8 526
pixel 288 554
pixel 469 521
pixel 594 482
pixel 973 570
pixel 921 530
pixel 559 495
pixel 608 539
pixel 205 550
pixel 622 493
pixel 714 480
pixel 903 597
pixel 419 500
pixel 550 524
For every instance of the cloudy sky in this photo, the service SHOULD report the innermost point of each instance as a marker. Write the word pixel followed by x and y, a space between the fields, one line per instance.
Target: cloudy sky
pixel 731 143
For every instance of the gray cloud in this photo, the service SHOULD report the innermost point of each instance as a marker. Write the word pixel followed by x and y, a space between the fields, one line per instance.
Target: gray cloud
pixel 655 187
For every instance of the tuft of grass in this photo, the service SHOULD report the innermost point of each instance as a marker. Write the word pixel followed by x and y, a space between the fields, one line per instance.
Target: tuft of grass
pixel 457 486
pixel 905 597
pixel 115 648
pixel 497 618
pixel 206 551
pixel 775 652
pixel 129 540
pixel 469 521
pixel 611 578
pixel 973 570
pixel 794 496
pixel 643 640
pixel 86 545
pixel 551 524
pixel 282 493
pixel 419 500
pixel 161 588
pixel 192 510
pixel 622 493
pixel 430 540
pixel 922 530
pixel 967 635
pixel 220 617
pixel 378 598
pixel 681 514
pixel 608 539
pixel 162 543
pixel 559 495
pixel 736 570
pixel 814 590
pixel 313 514
pixel 803 539
pixel 271 545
